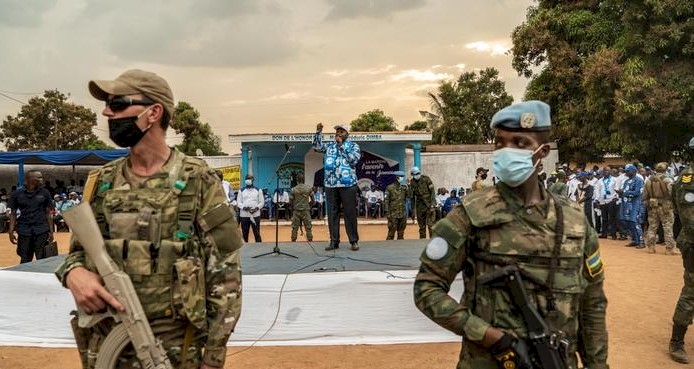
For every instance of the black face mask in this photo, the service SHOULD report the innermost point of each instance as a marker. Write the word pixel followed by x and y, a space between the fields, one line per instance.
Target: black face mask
pixel 483 176
pixel 124 132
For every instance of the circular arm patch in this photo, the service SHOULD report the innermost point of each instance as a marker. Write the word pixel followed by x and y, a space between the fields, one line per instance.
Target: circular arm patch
pixel 437 248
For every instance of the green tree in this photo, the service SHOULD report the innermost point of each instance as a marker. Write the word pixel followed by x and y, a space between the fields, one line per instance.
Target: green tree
pixel 373 121
pixel 50 122
pixel 196 135
pixel 420 125
pixel 617 74
pixel 466 107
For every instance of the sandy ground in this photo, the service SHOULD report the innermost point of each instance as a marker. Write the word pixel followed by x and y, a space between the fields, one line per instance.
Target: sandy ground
pixel 642 290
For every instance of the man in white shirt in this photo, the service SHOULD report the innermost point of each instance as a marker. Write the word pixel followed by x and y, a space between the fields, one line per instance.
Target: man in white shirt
pixel 281 201
pixel 374 200
pixel 250 200
pixel 620 178
pixel 573 186
pixel 607 198
pixel 4 213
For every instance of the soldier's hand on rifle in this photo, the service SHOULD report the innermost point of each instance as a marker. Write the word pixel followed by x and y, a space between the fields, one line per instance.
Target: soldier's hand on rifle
pixel 89 292
pixel 511 352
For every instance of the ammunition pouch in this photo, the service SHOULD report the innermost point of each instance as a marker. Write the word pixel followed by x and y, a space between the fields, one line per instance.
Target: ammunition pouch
pixel 189 291
pixel 688 259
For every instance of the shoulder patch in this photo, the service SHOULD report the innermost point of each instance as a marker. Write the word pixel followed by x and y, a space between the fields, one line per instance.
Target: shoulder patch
pixel 594 264
pixel 437 248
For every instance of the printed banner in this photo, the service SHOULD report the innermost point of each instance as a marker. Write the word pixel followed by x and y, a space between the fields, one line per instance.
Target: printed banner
pixel 232 174
pixel 372 169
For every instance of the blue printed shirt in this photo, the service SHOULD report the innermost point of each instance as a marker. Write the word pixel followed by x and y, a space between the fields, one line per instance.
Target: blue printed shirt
pixel 339 161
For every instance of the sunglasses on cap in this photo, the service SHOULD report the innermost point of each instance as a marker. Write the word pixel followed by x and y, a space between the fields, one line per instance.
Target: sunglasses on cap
pixel 120 103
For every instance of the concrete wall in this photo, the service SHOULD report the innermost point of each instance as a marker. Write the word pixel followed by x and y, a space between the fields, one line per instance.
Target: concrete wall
pixel 455 165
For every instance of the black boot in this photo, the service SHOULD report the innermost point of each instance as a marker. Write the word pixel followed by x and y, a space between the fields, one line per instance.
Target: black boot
pixel 677 352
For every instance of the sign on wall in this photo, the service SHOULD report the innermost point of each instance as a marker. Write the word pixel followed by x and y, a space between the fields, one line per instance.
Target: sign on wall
pixel 232 174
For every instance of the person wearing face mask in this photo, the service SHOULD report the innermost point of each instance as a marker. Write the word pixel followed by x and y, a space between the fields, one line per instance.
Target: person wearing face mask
pixel 518 224
pixel 480 177
pixel 340 183
pixel 165 222
pixel 396 207
pixel 34 228
pixel 250 200
pixel 423 197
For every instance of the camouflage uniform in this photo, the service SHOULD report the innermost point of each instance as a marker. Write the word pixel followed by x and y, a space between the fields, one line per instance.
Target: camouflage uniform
pixel 477 185
pixel 422 194
pixel 683 201
pixel 492 228
pixel 656 196
pixel 300 200
pixel 396 195
pixel 179 242
pixel 559 188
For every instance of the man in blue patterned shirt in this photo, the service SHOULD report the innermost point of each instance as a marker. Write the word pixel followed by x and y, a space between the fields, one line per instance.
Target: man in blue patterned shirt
pixel 340 182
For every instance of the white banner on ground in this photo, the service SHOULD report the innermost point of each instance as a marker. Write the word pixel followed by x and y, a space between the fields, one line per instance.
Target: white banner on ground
pixel 342 308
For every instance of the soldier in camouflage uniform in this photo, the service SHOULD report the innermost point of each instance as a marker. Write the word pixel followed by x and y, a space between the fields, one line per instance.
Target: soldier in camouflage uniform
pixel 683 201
pixel 516 222
pixel 396 196
pixel 657 198
pixel 423 197
pixel 165 222
pixel 301 200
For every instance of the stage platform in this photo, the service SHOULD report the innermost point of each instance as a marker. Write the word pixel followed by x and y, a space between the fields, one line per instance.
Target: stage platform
pixel 311 257
pixel 320 298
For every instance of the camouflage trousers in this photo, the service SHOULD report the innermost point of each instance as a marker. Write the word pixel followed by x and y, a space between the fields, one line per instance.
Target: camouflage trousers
pixel 396 224
pixel 300 217
pixel 660 214
pixel 425 219
pixel 170 332
pixel 684 311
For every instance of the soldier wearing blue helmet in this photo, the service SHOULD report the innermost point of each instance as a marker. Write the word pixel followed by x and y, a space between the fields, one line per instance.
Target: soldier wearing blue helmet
pixel 683 206
pixel 517 223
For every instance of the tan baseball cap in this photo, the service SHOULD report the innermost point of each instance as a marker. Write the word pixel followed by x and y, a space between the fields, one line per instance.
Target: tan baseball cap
pixel 135 81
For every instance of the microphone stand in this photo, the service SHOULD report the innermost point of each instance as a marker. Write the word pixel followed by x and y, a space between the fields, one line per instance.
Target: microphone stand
pixel 276 250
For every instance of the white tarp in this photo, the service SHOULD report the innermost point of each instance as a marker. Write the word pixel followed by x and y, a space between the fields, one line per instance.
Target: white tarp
pixel 341 308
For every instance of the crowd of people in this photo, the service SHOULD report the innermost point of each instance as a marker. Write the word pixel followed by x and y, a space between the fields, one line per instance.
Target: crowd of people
pixel 630 202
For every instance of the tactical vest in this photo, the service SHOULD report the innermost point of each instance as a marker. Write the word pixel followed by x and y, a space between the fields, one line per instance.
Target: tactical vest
pixel 656 187
pixel 500 237
pixel 149 233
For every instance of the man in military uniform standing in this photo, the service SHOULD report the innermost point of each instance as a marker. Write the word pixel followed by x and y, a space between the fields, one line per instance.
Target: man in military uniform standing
pixel 683 206
pixel 518 223
pixel 165 221
pixel 300 201
pixel 396 197
pixel 480 177
pixel 423 196
pixel 658 199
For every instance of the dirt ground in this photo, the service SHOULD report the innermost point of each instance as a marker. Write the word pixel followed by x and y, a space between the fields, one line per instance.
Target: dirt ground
pixel 642 290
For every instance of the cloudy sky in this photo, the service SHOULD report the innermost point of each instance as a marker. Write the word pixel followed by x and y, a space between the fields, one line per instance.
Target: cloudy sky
pixel 259 66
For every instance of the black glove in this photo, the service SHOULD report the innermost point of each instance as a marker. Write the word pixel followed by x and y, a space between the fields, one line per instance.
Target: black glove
pixel 511 352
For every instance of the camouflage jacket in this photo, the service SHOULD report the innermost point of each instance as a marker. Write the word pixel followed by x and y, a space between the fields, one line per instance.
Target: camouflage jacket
pixel 683 206
pixel 491 228
pixel 181 212
pixel 422 192
pixel 396 195
pixel 300 197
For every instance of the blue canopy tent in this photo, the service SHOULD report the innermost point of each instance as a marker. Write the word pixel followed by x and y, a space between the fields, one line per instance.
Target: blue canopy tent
pixel 66 157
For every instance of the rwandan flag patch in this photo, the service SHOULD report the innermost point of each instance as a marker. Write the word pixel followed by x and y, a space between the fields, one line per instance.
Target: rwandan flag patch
pixel 594 264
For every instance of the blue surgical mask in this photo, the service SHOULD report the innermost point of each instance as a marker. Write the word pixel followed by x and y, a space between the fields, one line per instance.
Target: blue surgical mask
pixel 249 182
pixel 401 180
pixel 514 166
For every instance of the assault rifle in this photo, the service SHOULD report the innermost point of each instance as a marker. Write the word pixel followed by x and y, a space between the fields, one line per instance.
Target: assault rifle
pixel 132 326
pixel 547 349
